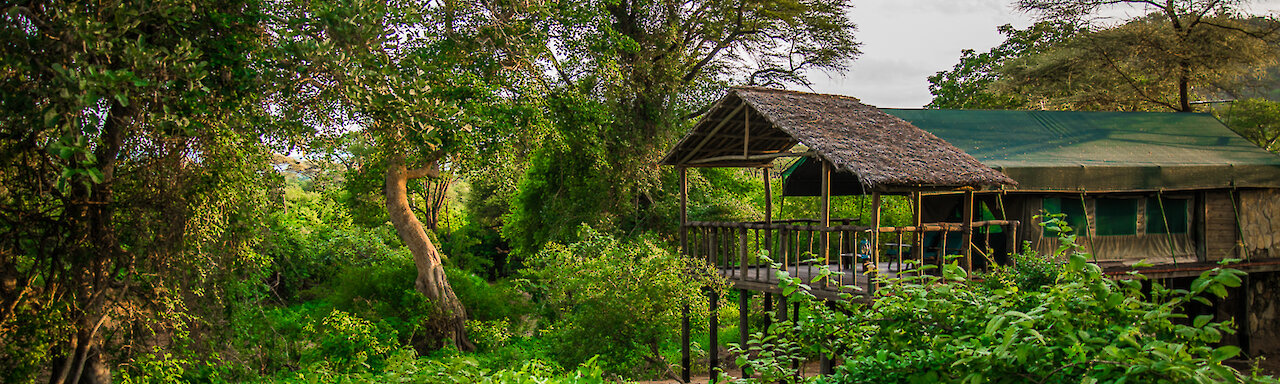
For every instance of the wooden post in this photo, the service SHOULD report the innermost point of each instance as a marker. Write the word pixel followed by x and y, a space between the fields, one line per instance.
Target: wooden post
pixel 768 212
pixel 875 242
pixel 768 309
pixel 742 254
pixel 917 220
pixel 824 241
pixel 967 230
pixel 713 349
pixel 782 307
pixel 1198 225
pixel 684 247
pixel 684 341
pixel 1011 242
pixel 744 307
pixel 684 210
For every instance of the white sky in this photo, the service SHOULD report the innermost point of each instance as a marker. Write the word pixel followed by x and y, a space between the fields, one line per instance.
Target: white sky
pixel 906 41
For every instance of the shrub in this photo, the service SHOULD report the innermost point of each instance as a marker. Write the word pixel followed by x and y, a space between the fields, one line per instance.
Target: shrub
pixel 625 297
pixel 347 343
pixel 403 366
pixel 1083 327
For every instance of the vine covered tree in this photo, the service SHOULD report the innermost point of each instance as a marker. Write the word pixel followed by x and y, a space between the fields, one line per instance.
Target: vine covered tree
pixel 132 153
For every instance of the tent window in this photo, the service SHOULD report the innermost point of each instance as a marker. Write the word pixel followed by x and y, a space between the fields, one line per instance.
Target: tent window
pixel 1074 210
pixel 1117 216
pixel 1176 211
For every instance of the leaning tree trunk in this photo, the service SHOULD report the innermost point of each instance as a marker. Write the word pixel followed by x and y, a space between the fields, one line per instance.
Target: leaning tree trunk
pixel 431 282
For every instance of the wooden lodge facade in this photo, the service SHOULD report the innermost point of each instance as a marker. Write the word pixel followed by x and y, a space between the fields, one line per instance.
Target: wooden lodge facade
pixel 1178 190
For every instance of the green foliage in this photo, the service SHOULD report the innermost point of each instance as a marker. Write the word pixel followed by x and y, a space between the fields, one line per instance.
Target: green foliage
pixel 487 301
pixel 489 334
pixel 403 366
pixel 1182 51
pixel 969 84
pixel 1256 119
pixel 623 296
pixel 154 368
pixel 1084 325
pixel 348 343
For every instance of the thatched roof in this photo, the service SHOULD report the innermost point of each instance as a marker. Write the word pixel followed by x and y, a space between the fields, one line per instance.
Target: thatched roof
pixel 883 151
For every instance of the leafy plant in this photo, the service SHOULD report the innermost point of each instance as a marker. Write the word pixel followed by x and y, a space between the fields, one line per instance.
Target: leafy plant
pixel 1083 326
pixel 625 297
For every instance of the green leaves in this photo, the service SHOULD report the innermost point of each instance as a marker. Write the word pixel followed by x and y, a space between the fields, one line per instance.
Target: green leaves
pixel 1079 325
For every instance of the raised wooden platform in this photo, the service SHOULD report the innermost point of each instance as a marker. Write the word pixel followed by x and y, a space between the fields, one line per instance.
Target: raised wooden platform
pixel 765 279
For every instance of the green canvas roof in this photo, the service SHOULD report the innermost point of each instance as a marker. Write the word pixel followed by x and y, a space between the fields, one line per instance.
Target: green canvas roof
pixel 1103 151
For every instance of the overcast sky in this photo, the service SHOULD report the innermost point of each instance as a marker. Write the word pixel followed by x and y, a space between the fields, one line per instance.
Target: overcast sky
pixel 906 41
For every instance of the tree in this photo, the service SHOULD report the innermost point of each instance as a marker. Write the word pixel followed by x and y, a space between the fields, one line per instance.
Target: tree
pixel 132 157
pixel 628 77
pixel 1258 120
pixel 969 84
pixel 416 79
pixel 1158 61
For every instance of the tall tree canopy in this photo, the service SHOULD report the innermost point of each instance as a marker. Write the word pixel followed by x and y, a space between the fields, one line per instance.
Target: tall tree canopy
pixel 132 150
pixel 417 79
pixel 970 83
pixel 627 77
pixel 1162 61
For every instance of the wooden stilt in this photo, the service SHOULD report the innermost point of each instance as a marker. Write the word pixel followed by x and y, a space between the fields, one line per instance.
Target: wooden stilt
pixel 967 230
pixel 744 307
pixel 713 347
pixel 825 239
pixel 684 342
pixel 684 247
pixel 875 244
pixel 782 308
pixel 768 212
pixel 917 220
pixel 768 309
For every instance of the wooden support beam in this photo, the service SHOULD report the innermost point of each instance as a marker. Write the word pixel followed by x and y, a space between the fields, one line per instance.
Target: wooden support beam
pixel 713 353
pixel 872 282
pixel 768 309
pixel 684 248
pixel 742 253
pixel 685 367
pixel 768 211
pixel 917 220
pixel 967 231
pixel 744 308
pixel 684 210
pixel 824 242
pixel 713 131
pixel 746 134
pixel 1198 215
pixel 767 156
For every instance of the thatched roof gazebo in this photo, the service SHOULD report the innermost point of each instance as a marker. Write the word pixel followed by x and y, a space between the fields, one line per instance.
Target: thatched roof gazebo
pixel 851 148
pixel 848 148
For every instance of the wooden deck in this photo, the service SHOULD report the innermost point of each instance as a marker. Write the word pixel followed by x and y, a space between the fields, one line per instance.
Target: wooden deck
pixel 764 279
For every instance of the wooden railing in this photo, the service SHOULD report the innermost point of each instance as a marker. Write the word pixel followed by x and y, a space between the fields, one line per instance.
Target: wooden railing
pixel 863 253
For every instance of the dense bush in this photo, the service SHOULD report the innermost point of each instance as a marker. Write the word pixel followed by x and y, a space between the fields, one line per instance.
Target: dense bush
pixel 617 299
pixel 1081 327
pixel 403 366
